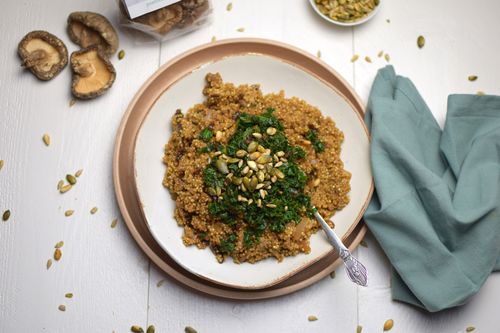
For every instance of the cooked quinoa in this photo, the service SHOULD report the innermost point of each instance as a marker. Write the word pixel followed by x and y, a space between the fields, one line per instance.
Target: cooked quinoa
pixel 187 158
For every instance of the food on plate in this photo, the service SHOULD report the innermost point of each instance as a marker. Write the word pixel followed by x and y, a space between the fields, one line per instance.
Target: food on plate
pixel 346 10
pixel 246 168
pixel 43 54
pixel 91 29
pixel 93 73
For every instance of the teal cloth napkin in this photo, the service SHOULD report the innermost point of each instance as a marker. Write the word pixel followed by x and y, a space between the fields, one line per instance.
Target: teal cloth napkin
pixel 436 207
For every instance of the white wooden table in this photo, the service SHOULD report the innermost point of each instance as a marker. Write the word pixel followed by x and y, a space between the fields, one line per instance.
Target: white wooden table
pixel 114 284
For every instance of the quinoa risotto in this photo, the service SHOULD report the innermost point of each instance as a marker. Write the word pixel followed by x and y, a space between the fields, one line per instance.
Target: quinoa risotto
pixel 247 170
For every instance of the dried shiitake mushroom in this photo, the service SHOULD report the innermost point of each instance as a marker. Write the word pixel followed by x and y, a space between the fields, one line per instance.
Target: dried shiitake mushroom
pixel 92 29
pixel 163 19
pixel 43 54
pixel 192 10
pixel 93 73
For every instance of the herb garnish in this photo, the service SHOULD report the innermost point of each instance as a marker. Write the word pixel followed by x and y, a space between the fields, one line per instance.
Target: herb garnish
pixel 317 144
pixel 255 180
pixel 206 135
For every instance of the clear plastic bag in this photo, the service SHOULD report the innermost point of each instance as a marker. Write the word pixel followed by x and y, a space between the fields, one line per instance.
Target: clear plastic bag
pixel 171 21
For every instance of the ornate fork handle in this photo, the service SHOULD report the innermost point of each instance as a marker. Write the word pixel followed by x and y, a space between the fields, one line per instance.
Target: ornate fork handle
pixel 355 269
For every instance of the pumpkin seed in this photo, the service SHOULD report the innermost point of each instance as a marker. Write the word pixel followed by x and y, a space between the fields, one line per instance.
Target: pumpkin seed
pixel 318 54
pixel 472 78
pixel 62 307
pixel 271 205
pixel 46 139
pixel 240 29
pixel 59 245
pixel 68 295
pixel 388 20
pixel 480 93
pixel 189 329
pixel 262 193
pixel 252 165
pixel 93 210
pixel 229 6
pixel 57 254
pixel 332 275
pixel 49 263
pixel 263 159
pixel 241 153
pixel 388 324
pixel 271 131
pixel 213 39
pixel 69 212
pixel 316 182
pixel 312 318
pixel 278 164
pixel 387 57
pixel 232 160
pixel 359 329
pixel 355 58
pixel 257 135
pixel 114 223
pixel 136 329
pixel 151 329
pixel 71 179
pixel 420 41
pixel 280 154
pixel 261 149
pixel 221 166
pixel 121 55
pixel 237 181
pixel 72 102
pixel 470 329
pixel 380 54
pixel 252 146
pixel 363 243
pixel 368 59
pixel 255 155
pixel 160 283
pixel 279 173
pixel 6 215
pixel 1 164
pixel 78 173
pixel 60 184
pixel 65 188
pixel 218 136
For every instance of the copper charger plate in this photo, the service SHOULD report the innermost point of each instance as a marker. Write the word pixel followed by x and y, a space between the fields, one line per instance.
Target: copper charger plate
pixel 123 172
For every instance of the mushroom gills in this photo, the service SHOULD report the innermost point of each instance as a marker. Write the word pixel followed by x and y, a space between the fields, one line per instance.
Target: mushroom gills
pixel 94 71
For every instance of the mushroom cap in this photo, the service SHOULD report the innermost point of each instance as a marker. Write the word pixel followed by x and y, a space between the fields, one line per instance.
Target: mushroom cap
pixel 93 73
pixel 163 19
pixel 43 54
pixel 91 29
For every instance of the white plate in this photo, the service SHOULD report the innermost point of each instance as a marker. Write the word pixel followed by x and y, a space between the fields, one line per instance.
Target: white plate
pixel 273 75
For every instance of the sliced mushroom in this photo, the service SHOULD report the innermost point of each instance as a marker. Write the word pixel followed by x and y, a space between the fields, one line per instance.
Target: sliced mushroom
pixel 93 73
pixel 163 19
pixel 43 54
pixel 91 29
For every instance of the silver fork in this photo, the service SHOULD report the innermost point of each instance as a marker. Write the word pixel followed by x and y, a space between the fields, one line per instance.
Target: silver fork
pixel 355 269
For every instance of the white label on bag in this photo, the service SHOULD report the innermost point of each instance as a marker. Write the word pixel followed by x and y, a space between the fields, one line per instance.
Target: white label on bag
pixel 137 8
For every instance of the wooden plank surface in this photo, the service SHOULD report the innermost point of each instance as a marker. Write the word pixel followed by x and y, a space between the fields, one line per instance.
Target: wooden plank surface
pixel 113 283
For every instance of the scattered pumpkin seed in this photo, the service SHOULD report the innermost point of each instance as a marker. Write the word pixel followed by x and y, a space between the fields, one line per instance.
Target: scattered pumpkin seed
pixel 318 54
pixel 65 188
pixel 312 318
pixel 78 173
pixel 388 20
pixel 332 275
pixel 160 283
pixel 388 324
pixel 59 245
pixel 6 215
pixel 114 223
pixel 359 329
pixel 229 6
pixel 189 329
pixel 472 78
pixel 420 41
pixel 93 210
pixel 387 57
pixel 470 329
pixel 62 307
pixel 368 59
pixel 121 55
pixel 72 102
pixel 69 212
pixel 380 54
pixel 60 184
pixel 355 58
pixel 363 243
pixel 271 131
pixel 49 263
pixel 46 139
pixel 151 329
pixel 136 329
pixel 68 295
pixel 240 29
pixel 214 39
pixel 71 179
pixel 57 254
pixel 1 164
pixel 480 93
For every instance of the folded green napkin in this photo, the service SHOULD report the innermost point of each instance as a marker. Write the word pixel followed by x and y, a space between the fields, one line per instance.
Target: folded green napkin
pixel 436 209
